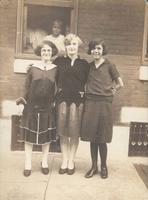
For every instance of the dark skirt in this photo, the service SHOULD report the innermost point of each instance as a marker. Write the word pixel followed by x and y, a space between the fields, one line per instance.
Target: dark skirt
pixel 97 123
pixel 68 119
pixel 37 127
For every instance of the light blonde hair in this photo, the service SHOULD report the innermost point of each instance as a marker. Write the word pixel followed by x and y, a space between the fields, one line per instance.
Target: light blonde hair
pixel 69 37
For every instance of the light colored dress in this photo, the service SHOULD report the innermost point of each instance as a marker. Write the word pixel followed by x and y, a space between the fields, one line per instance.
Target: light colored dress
pixel 58 41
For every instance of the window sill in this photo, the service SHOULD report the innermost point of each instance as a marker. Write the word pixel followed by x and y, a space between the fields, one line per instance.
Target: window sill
pixel 143 73
pixel 21 64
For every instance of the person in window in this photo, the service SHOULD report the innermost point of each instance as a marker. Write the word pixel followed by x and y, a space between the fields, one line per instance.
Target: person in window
pixel 56 37
pixel 71 78
pixel 37 126
pixel 102 84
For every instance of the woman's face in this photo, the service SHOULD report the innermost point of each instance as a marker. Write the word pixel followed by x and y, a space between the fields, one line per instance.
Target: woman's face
pixel 97 52
pixel 46 52
pixel 56 29
pixel 72 47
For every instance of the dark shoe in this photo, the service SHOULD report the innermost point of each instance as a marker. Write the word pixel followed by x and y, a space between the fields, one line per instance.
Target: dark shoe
pixel 62 171
pixel 71 171
pixel 27 172
pixel 91 173
pixel 104 172
pixel 45 170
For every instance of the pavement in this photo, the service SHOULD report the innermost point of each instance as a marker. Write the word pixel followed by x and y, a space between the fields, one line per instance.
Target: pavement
pixel 123 182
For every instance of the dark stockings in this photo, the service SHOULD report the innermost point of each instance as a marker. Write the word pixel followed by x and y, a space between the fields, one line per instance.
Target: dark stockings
pixel 94 154
pixel 103 153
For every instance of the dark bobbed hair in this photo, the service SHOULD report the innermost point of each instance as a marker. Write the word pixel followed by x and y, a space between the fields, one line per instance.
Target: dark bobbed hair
pixel 95 42
pixel 37 50
pixel 58 21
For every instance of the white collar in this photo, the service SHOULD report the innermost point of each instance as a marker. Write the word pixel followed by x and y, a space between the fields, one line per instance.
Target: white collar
pixel 44 66
pixel 73 59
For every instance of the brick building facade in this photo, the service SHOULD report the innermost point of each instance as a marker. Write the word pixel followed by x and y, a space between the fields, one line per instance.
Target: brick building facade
pixel 119 22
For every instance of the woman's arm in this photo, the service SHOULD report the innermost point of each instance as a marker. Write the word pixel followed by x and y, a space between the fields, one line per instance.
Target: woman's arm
pixel 118 85
pixel 23 99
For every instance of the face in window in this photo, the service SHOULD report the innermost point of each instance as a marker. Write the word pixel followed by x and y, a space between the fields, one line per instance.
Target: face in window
pixel 97 52
pixel 72 47
pixel 56 29
pixel 46 53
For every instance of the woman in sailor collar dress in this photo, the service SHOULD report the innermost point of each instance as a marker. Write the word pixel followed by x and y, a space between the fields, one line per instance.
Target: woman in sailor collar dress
pixel 37 125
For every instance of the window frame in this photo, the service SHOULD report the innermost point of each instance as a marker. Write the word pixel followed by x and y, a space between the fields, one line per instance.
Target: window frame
pixel 145 37
pixel 22 20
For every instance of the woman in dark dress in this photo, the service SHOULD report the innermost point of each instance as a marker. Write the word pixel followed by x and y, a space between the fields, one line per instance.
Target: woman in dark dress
pixel 71 78
pixel 103 82
pixel 37 126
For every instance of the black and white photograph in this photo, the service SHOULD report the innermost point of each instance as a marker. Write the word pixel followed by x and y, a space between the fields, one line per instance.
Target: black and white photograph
pixel 74 99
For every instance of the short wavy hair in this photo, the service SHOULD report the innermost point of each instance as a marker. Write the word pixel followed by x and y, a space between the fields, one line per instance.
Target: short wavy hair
pixel 69 37
pixel 95 42
pixel 37 50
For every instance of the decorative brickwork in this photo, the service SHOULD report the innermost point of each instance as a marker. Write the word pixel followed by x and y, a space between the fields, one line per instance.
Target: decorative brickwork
pixel 4 3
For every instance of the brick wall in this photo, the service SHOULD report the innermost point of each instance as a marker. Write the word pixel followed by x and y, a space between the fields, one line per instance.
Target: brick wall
pixel 9 81
pixel 8 13
pixel 118 22
pixel 135 92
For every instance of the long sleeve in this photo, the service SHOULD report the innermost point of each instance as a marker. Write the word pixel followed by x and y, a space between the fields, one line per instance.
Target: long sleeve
pixel 27 83
pixel 23 99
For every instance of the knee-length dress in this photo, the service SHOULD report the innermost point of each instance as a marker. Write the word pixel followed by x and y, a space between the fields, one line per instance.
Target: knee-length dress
pixel 97 122
pixel 38 123
pixel 71 80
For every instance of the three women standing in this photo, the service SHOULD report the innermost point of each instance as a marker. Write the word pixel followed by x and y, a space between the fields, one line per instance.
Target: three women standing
pixel 70 76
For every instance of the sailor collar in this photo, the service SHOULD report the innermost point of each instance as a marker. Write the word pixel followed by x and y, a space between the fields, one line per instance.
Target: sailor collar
pixel 44 66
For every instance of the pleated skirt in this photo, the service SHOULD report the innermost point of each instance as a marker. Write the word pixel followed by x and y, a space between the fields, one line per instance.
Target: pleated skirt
pixel 97 122
pixel 37 127
pixel 68 119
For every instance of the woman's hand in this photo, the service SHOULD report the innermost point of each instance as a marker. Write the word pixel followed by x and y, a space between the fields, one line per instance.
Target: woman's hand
pixel 20 109
pixel 114 90
pixel 81 94
pixel 118 85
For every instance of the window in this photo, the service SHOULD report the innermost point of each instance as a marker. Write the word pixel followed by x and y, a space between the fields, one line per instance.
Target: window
pixel 145 38
pixel 34 18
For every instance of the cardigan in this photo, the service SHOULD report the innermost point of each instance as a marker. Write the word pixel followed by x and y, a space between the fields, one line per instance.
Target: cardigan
pixel 100 80
pixel 71 80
